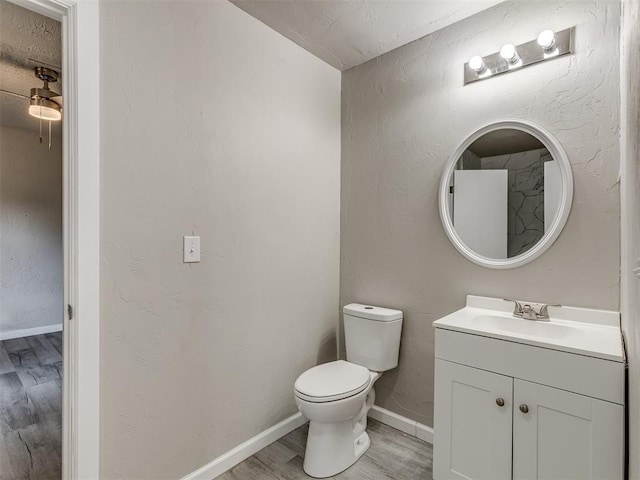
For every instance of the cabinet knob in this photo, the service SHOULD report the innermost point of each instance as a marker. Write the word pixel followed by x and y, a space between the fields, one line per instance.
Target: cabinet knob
pixel 500 402
pixel 524 408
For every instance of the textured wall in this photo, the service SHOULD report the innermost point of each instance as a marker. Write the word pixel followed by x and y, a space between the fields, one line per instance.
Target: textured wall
pixel 405 112
pixel 215 125
pixel 631 218
pixel 31 270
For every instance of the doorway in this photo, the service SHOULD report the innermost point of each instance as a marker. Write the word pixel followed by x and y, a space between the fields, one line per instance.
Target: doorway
pixel 81 231
pixel 31 245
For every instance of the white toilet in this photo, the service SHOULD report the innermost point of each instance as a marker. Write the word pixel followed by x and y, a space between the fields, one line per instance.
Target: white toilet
pixel 336 396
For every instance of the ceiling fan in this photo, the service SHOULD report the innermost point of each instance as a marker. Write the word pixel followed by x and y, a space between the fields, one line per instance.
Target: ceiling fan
pixel 44 104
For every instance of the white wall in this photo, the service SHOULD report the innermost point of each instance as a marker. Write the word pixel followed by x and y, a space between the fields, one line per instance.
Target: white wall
pixel 214 125
pixel 31 269
pixel 403 115
pixel 630 192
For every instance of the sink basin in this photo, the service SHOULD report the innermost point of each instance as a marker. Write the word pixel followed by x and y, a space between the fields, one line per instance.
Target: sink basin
pixel 584 331
pixel 526 327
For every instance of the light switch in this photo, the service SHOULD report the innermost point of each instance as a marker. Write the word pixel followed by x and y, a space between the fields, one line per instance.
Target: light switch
pixel 191 249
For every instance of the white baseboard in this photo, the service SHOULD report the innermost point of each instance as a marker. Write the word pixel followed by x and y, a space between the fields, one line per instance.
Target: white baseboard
pixel 401 423
pixel 424 433
pixel 27 332
pixel 243 451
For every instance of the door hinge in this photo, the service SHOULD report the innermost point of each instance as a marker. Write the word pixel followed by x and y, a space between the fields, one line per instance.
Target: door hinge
pixel 451 189
pixel 70 312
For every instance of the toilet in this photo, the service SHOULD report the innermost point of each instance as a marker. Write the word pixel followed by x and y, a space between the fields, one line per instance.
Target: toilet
pixel 336 396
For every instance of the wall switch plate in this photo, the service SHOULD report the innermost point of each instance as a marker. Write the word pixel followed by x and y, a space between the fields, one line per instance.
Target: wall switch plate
pixel 191 249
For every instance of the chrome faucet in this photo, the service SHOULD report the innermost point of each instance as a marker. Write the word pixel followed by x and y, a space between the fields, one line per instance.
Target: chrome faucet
pixel 529 312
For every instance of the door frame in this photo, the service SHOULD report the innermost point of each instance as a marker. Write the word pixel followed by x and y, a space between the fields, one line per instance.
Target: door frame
pixel 81 231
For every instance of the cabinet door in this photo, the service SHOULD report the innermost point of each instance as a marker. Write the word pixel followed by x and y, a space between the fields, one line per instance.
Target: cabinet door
pixel 565 436
pixel 472 431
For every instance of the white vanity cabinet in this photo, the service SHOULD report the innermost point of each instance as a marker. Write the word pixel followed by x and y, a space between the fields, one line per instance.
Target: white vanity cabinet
pixel 510 407
pixel 490 426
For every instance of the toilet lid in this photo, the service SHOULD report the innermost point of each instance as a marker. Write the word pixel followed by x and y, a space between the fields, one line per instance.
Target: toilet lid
pixel 332 381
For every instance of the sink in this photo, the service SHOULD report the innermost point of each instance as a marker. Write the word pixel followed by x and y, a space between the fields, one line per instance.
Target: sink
pixel 584 331
pixel 526 327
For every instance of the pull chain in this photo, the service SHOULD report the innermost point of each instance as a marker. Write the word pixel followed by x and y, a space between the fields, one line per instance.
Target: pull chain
pixel 40 122
pixel 49 134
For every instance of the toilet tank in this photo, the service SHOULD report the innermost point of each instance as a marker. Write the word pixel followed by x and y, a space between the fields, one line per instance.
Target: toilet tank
pixel 372 336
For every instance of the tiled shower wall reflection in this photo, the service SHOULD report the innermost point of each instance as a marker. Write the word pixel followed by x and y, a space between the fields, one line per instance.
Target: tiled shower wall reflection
pixel 526 196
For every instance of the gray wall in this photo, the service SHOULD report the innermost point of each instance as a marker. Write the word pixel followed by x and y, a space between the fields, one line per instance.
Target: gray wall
pixel 31 268
pixel 404 113
pixel 631 219
pixel 214 125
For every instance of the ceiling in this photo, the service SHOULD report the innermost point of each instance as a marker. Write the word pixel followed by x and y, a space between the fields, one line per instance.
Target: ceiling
pixel 346 33
pixel 503 142
pixel 27 40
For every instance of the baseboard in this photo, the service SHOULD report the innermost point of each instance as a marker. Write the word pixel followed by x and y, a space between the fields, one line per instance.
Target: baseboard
pixel 401 423
pixel 28 332
pixel 424 433
pixel 243 451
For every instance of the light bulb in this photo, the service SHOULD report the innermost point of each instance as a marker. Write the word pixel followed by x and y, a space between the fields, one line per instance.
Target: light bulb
pixel 547 40
pixel 477 64
pixel 508 52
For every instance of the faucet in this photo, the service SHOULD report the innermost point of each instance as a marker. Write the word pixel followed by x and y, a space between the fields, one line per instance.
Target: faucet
pixel 529 312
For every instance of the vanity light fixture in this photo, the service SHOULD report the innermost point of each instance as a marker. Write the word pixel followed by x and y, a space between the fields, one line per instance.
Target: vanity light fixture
pixel 547 45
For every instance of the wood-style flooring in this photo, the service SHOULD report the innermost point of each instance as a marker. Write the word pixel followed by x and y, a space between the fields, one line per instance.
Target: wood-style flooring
pixel 31 428
pixel 393 455
pixel 31 408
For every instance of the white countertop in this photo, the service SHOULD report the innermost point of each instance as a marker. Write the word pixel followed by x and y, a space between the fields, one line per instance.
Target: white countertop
pixel 595 333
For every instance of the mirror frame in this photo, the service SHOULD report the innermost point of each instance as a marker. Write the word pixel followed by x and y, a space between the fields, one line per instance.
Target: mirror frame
pixel 558 154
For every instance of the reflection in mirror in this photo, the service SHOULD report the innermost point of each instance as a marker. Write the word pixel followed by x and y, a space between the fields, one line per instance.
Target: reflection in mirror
pixel 504 193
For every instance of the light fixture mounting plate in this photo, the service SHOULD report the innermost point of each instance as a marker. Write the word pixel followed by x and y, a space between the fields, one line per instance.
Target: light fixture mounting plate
pixel 46 74
pixel 529 53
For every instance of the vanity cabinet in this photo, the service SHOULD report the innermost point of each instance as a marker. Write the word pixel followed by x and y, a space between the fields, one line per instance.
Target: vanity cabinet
pixel 525 400
pixel 493 426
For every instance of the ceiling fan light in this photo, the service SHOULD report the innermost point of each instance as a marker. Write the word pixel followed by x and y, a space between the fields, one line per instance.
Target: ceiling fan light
pixel 45 110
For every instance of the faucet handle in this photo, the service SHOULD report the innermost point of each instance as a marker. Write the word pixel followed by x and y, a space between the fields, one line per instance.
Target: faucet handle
pixel 517 309
pixel 544 311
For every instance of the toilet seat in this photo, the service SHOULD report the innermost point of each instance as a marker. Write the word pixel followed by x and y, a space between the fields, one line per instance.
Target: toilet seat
pixel 332 381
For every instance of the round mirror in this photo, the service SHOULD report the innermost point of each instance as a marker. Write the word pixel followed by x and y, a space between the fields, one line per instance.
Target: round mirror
pixel 505 194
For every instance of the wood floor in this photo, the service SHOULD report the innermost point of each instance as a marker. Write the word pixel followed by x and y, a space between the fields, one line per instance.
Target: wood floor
pixel 31 408
pixel 31 428
pixel 392 455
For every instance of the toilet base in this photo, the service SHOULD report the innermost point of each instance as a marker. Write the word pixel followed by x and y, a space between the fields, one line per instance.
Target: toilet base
pixel 337 432
pixel 332 448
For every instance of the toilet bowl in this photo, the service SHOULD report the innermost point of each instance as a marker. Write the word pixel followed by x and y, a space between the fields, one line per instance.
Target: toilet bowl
pixel 337 396
pixel 337 414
